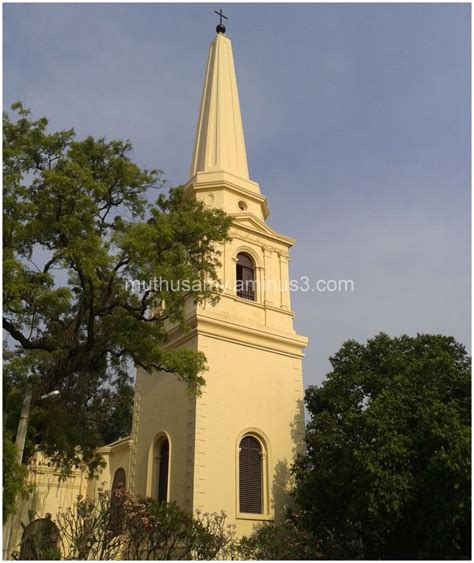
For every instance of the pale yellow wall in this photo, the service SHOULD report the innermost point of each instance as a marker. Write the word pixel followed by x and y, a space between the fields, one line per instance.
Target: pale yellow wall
pixel 224 190
pixel 248 389
pixel 163 406
pixel 255 378
pixel 115 456
pixel 51 495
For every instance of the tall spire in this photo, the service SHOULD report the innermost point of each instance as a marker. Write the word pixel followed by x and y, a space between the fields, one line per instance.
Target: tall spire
pixel 219 143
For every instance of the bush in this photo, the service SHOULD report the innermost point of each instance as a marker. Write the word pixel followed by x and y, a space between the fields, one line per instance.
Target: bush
pixel 121 525
pixel 285 541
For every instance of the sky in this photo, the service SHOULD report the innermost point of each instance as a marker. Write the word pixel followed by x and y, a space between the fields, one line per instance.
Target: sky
pixel 357 127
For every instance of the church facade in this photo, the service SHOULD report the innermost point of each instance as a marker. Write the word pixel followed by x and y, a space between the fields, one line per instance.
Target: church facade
pixel 231 447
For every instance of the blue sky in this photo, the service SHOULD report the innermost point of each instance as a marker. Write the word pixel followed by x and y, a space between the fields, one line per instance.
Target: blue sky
pixel 357 125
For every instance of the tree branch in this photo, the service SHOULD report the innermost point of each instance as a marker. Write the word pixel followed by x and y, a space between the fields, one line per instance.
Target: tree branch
pixel 23 340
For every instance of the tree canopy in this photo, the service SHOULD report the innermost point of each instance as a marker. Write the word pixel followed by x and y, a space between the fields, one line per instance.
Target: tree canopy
pixel 386 471
pixel 81 218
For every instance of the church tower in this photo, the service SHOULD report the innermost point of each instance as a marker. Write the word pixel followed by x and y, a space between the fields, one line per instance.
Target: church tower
pixel 230 448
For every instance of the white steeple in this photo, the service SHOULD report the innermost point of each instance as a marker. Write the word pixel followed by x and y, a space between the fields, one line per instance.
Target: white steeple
pixel 219 143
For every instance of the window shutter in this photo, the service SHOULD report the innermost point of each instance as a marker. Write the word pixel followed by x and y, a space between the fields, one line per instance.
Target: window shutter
pixel 163 472
pixel 250 475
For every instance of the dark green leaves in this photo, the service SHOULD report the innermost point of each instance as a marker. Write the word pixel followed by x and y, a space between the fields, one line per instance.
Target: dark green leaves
pixel 81 220
pixel 386 472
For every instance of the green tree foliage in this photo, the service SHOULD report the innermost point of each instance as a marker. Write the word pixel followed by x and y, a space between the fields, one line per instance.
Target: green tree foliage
pixel 79 221
pixel 386 473
pixel 113 409
pixel 14 476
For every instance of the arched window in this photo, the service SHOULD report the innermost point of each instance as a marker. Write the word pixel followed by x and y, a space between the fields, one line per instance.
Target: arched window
pixel 120 479
pixel 116 503
pixel 163 470
pixel 250 476
pixel 245 278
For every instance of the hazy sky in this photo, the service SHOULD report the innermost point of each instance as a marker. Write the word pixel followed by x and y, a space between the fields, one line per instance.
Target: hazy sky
pixel 357 125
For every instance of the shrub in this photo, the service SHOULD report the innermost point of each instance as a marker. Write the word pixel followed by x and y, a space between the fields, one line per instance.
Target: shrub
pixel 121 525
pixel 285 541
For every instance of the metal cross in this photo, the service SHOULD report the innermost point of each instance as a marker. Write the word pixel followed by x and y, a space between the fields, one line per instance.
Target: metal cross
pixel 221 15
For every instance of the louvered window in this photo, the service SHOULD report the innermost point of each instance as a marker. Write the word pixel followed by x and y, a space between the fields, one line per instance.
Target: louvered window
pixel 250 475
pixel 245 277
pixel 163 471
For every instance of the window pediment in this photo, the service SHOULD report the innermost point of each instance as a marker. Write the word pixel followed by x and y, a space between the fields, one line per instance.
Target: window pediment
pixel 250 223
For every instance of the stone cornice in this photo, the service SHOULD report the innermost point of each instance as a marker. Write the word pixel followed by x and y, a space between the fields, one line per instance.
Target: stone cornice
pixel 223 180
pixel 264 338
pixel 123 442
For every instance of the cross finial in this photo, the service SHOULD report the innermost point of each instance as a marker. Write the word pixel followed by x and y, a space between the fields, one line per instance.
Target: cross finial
pixel 221 27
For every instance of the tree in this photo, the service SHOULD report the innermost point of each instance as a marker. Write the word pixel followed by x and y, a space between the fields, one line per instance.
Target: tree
pixel 80 222
pixel 113 409
pixel 386 471
pixel 14 476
